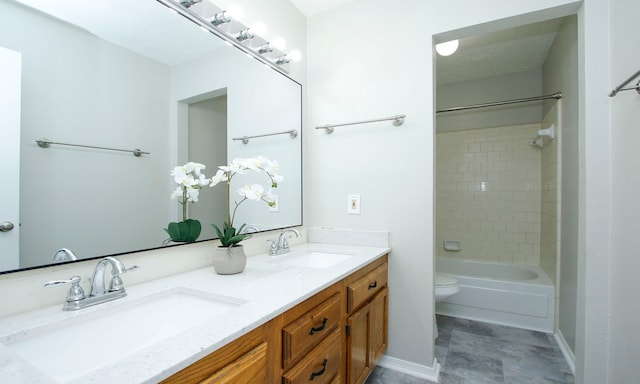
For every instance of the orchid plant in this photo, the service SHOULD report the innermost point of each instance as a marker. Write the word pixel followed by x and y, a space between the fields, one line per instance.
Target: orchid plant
pixel 190 180
pixel 230 236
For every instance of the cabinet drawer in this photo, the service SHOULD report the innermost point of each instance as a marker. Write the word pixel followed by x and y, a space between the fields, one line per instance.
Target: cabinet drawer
pixel 250 368
pixel 364 288
pixel 309 329
pixel 321 366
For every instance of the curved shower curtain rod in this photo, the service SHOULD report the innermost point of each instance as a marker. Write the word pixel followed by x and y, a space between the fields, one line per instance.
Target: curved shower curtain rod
pixel 557 95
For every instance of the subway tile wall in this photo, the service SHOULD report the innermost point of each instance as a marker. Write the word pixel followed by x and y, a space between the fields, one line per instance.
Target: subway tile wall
pixel 488 194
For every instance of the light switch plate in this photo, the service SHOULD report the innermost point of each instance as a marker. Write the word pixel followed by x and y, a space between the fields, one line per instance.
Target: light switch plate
pixel 353 204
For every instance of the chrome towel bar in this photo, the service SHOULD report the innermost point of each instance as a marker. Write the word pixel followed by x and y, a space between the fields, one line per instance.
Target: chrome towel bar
pixel 397 121
pixel 622 88
pixel 46 143
pixel 245 139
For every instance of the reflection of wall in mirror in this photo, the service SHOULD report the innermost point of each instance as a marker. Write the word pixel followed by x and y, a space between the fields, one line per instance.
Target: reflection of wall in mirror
pixel 80 89
pixel 258 102
pixel 207 145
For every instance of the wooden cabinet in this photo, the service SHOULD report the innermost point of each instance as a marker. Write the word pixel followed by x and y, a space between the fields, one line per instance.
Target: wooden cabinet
pixel 335 336
pixel 250 359
pixel 367 308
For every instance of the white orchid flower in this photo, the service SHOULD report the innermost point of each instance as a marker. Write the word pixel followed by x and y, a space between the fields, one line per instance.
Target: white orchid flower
pixel 192 195
pixel 252 192
pixel 219 177
pixel 177 194
pixel 194 167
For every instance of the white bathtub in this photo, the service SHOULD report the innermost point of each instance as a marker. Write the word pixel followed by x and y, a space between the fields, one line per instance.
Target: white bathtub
pixel 509 294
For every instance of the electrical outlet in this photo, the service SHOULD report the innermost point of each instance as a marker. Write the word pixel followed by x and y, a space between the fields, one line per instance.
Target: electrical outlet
pixel 353 204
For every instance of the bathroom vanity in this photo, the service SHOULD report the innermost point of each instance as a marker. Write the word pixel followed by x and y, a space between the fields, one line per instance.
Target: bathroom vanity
pixel 337 333
pixel 318 312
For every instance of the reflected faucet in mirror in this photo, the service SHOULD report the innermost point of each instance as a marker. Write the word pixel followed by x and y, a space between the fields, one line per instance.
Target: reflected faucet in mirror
pixel 64 254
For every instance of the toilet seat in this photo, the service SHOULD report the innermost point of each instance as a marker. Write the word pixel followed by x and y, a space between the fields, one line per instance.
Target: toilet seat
pixel 443 280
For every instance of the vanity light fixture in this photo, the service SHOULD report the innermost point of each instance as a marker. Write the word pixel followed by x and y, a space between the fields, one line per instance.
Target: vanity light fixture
pixel 220 18
pixel 245 34
pixel 270 54
pixel 265 49
pixel 188 3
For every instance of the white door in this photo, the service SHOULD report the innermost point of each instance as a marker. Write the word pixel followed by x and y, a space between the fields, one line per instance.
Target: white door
pixel 10 75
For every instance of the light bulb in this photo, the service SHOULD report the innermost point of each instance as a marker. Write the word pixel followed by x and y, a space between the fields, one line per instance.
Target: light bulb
pixel 279 43
pixel 258 28
pixel 236 12
pixel 295 55
pixel 447 48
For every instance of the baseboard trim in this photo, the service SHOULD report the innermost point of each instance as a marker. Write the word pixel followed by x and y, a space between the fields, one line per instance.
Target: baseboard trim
pixel 566 351
pixel 413 369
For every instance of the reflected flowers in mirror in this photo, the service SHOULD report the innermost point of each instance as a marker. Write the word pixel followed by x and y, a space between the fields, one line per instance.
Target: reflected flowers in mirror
pixel 190 180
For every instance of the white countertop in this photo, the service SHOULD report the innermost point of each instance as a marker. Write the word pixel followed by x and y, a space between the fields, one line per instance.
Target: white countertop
pixel 267 288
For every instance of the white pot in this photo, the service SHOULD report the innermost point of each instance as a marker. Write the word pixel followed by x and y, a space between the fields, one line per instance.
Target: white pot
pixel 229 260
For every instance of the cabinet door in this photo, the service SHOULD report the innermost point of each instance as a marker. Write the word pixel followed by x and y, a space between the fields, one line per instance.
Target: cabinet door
pixel 378 322
pixel 250 368
pixel 358 356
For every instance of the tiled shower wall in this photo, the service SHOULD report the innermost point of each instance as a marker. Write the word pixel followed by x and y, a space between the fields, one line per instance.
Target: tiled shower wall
pixel 488 194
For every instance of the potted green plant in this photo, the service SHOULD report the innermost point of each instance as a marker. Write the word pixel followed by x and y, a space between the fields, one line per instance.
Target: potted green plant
pixel 190 180
pixel 229 257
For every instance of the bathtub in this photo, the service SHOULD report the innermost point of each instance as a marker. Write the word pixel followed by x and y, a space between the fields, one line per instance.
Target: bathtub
pixel 508 294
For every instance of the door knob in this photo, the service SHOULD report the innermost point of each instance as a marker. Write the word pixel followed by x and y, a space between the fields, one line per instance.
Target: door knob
pixel 6 226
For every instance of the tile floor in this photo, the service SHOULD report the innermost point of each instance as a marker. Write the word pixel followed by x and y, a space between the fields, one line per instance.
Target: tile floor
pixel 472 352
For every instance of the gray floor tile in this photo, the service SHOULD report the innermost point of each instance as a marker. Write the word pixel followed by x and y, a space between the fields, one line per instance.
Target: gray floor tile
pixel 472 352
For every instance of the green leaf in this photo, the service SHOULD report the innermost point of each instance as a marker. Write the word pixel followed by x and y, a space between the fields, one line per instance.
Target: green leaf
pixel 184 231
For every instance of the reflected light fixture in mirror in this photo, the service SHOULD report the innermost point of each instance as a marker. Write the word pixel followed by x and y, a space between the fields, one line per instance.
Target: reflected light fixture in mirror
pixel 217 22
pixel 447 48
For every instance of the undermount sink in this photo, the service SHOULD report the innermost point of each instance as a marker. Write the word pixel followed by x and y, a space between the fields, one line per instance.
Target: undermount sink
pixel 314 259
pixel 76 347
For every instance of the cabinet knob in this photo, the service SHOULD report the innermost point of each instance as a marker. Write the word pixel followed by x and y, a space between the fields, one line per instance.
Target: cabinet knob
pixel 373 285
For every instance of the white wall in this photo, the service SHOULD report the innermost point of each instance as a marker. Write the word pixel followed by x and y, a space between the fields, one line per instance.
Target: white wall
pixel 498 88
pixel 560 73
pixel 625 263
pixel 362 66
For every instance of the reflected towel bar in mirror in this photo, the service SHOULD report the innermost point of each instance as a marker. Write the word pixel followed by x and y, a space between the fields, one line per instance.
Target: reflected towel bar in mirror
pixel 245 139
pixel 46 143
pixel 398 120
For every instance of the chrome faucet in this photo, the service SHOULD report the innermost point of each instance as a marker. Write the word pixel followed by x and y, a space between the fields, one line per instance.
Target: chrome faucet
pixel 280 246
pixel 76 298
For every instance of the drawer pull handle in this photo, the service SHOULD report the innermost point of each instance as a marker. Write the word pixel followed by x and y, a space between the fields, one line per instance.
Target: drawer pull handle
pixel 320 328
pixel 320 372
pixel 373 285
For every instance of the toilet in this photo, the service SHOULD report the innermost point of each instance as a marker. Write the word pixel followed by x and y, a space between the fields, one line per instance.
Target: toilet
pixel 445 287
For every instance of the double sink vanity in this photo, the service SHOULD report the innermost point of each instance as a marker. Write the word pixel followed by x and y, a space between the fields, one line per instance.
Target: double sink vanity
pixel 317 314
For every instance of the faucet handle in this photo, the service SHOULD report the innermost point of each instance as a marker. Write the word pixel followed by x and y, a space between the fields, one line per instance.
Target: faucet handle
pixel 116 281
pixel 273 248
pixel 75 292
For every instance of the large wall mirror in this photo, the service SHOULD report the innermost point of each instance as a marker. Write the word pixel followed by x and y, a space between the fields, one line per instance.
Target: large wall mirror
pixel 132 75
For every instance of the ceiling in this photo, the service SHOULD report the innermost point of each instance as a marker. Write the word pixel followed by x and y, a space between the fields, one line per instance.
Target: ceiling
pixel 504 52
pixel 513 50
